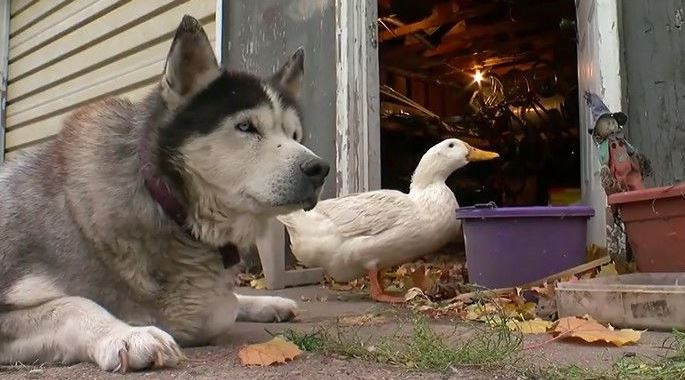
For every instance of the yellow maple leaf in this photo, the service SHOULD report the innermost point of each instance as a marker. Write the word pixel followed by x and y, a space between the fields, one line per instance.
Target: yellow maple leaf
pixel 533 326
pixel 608 270
pixel 275 351
pixel 477 311
pixel 590 330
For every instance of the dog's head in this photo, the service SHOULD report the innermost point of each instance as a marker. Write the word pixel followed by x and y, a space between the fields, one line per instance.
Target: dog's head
pixel 233 139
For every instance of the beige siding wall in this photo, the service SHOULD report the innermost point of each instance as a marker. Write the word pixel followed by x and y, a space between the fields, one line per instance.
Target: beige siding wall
pixel 66 53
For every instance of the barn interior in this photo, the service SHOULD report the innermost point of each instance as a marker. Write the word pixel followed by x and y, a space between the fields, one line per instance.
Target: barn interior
pixel 501 75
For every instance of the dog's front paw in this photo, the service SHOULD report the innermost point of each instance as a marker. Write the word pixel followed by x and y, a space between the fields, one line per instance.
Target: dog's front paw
pixel 135 348
pixel 269 309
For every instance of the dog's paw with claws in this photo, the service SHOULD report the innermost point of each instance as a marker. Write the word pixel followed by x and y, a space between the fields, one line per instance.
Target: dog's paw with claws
pixel 270 309
pixel 136 348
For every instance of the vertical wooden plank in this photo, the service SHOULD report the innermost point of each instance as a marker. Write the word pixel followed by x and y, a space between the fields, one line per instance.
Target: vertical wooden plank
pixel 357 98
pixel 4 56
pixel 248 45
pixel 446 106
pixel 653 36
pixel 399 83
pixel 451 102
pixel 599 71
pixel 383 76
pixel 418 91
pixel 435 99
pixel 219 19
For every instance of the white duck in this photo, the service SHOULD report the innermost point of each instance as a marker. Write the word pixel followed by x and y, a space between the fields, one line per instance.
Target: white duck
pixel 372 231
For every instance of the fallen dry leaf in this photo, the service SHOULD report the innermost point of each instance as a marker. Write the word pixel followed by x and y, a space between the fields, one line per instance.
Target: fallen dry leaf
pixel 594 252
pixel 608 270
pixel 363 320
pixel 275 351
pixel 592 273
pixel 590 330
pixel 477 311
pixel 244 279
pixel 258 283
pixel 546 290
pixel 432 310
pixel 499 308
pixel 533 326
pixel 403 270
pixel 338 287
pixel 414 293
pixel 524 311
pixel 438 275
pixel 422 278
pixel 547 308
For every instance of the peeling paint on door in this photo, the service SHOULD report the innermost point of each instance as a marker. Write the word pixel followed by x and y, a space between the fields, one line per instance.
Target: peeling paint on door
pixel 654 82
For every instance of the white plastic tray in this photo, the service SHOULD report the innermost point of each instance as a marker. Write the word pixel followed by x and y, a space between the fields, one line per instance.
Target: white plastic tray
pixel 638 300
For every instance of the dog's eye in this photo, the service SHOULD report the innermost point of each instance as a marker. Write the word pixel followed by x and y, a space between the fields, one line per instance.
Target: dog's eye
pixel 246 127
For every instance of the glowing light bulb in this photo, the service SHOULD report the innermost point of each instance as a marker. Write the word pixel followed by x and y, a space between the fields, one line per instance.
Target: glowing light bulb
pixel 478 76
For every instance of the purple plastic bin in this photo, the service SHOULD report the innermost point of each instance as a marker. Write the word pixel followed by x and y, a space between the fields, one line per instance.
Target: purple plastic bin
pixel 511 246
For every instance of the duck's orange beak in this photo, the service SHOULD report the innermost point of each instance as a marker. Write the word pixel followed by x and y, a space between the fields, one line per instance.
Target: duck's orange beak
pixel 476 154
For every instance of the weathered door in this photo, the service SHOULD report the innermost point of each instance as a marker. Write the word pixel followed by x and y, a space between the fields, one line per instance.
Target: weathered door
pixel 340 94
pixel 653 40
pixel 259 36
pixel 598 72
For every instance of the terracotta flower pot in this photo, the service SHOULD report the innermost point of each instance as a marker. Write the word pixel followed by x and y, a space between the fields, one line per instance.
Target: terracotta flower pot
pixel 655 226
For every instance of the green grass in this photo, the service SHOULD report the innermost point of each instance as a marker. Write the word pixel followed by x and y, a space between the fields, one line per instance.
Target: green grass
pixel 416 345
pixel 421 348
pixel 626 368
pixel 492 345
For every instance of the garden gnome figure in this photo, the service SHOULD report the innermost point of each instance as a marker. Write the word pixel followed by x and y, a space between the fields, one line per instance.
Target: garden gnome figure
pixel 623 167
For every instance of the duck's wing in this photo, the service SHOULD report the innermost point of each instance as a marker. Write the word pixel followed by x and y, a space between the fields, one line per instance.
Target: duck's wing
pixel 368 214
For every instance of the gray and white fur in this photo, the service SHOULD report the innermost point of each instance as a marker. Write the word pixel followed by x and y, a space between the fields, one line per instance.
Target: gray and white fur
pixel 91 267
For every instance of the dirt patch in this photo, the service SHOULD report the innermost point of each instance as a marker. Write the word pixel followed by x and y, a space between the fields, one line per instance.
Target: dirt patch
pixel 221 363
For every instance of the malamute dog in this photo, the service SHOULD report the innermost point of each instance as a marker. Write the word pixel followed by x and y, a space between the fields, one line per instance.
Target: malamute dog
pixel 117 237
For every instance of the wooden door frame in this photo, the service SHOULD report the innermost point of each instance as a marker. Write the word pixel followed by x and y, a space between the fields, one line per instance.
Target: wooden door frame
pixel 4 57
pixel 357 129
pixel 601 75
pixel 358 97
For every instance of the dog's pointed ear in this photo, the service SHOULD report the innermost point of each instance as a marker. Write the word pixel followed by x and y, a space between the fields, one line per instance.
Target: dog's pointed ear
pixel 190 65
pixel 289 77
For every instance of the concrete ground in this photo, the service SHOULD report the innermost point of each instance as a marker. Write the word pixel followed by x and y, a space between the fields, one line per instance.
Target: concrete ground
pixel 318 306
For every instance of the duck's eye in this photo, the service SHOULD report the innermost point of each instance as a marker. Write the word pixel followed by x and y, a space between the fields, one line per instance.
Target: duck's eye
pixel 294 135
pixel 451 145
pixel 246 127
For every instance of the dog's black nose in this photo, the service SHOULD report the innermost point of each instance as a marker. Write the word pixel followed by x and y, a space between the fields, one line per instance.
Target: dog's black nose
pixel 316 170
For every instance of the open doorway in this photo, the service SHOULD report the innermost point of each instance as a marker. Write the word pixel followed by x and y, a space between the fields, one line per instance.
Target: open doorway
pixel 500 75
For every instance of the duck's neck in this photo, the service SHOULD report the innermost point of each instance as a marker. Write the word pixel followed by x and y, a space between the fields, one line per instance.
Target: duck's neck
pixel 428 173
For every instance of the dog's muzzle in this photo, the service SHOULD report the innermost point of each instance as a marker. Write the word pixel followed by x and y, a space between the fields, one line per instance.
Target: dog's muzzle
pixel 313 174
pixel 315 171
